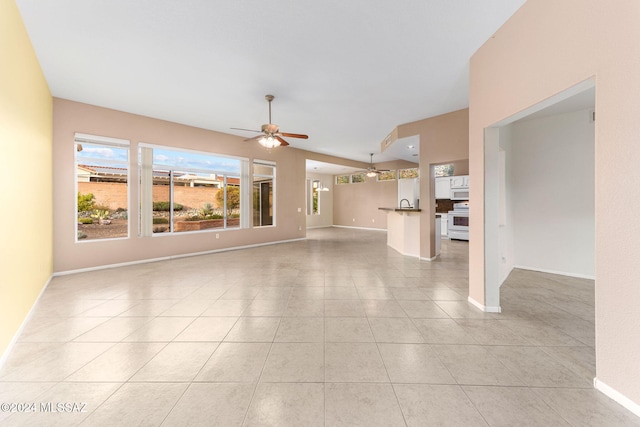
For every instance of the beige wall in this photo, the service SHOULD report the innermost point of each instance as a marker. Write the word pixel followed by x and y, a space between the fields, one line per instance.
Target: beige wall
pixel 443 139
pixel 70 117
pixel 356 205
pixel 461 167
pixel 25 176
pixel 545 48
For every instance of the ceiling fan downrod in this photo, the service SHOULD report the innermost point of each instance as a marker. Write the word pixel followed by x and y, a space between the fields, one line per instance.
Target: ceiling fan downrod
pixel 269 98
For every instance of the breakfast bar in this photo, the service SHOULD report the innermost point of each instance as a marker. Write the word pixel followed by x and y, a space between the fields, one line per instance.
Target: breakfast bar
pixel 403 230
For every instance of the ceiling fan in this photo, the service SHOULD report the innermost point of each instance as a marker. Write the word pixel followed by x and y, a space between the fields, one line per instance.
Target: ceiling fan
pixel 372 171
pixel 271 136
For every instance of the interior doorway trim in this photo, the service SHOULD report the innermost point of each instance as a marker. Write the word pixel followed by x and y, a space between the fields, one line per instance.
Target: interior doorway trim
pixel 491 202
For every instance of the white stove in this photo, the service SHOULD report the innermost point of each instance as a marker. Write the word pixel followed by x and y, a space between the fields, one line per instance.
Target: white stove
pixel 459 221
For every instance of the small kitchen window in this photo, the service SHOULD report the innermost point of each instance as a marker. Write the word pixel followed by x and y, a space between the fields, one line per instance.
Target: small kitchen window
pixel 408 173
pixel 387 176
pixel 444 170
pixel 342 179
pixel 358 177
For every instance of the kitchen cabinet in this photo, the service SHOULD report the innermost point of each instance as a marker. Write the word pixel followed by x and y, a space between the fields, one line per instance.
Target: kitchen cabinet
pixel 444 225
pixel 443 187
pixel 460 181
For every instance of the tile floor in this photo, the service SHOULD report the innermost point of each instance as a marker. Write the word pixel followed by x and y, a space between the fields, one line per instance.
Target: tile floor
pixel 337 330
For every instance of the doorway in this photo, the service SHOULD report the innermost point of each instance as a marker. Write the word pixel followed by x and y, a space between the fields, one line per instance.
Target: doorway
pixel 539 191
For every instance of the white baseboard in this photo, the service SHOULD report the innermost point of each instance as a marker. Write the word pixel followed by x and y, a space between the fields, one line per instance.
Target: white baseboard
pixel 319 226
pixel 428 259
pixel 148 260
pixel 559 273
pixel 5 354
pixel 486 309
pixel 617 396
pixel 360 228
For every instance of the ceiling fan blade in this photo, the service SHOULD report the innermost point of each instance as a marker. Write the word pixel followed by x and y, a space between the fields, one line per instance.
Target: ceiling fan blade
pixel 283 143
pixel 255 138
pixel 294 135
pixel 248 130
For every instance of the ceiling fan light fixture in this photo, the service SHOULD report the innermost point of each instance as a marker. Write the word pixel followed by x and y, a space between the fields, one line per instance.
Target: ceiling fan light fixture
pixel 371 174
pixel 269 141
pixel 271 136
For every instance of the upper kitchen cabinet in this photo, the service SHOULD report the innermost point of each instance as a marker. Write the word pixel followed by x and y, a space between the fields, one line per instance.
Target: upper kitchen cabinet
pixel 461 181
pixel 460 187
pixel 443 187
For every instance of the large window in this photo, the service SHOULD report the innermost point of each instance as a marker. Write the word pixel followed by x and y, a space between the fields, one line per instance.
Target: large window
pixel 188 191
pixel 264 174
pixel 102 187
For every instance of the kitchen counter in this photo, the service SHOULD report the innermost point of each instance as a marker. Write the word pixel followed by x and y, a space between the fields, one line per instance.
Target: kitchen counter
pixel 401 209
pixel 403 230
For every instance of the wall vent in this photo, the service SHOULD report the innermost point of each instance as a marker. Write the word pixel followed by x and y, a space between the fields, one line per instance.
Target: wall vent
pixel 387 141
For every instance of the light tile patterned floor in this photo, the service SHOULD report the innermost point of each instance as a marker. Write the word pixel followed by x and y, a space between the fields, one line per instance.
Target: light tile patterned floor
pixel 338 330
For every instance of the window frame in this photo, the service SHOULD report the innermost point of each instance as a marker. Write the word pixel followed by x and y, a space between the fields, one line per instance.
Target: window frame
pixel 274 167
pixel 417 169
pixel 106 141
pixel 241 174
pixel 337 179
pixel 395 176
pixel 361 174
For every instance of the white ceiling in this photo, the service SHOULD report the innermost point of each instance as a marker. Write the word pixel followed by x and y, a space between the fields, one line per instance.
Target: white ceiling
pixel 404 148
pixel 323 168
pixel 344 72
pixel 581 101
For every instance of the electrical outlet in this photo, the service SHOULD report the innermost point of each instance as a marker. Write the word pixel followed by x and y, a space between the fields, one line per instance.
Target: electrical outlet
pixel 299 228
pixel 373 220
pixel 217 235
pixel 354 220
pixel 299 209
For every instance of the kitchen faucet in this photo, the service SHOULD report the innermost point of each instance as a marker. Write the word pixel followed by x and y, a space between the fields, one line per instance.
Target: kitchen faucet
pixel 408 203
